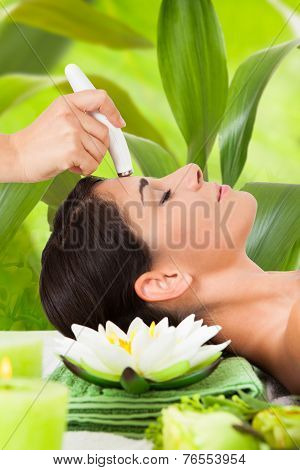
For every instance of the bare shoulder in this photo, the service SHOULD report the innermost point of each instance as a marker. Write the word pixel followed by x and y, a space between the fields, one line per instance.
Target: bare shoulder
pixel 295 309
pixel 293 325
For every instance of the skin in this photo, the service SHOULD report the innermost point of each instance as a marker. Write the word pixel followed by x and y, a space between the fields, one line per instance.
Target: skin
pixel 63 137
pixel 212 275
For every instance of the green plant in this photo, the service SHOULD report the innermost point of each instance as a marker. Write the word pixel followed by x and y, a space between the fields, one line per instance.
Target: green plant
pixel 193 69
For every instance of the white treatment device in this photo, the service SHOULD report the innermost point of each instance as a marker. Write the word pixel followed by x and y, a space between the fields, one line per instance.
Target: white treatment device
pixel 118 148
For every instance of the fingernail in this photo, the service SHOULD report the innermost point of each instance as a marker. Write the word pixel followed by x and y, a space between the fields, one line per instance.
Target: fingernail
pixel 122 121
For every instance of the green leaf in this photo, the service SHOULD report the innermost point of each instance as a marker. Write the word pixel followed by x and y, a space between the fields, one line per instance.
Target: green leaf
pixel 276 229
pixel 15 88
pixel 140 16
pixel 192 63
pixel 57 192
pixel 16 202
pixel 60 187
pixel 245 92
pixel 293 259
pixel 153 159
pixel 74 19
pixel 37 51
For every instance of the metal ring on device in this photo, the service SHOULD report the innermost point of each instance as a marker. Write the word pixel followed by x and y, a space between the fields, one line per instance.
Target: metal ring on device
pixel 125 173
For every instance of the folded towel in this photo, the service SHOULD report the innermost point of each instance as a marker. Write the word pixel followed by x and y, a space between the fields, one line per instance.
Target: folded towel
pixel 93 408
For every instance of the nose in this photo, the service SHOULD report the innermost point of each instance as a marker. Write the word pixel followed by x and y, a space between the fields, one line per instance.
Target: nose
pixel 188 177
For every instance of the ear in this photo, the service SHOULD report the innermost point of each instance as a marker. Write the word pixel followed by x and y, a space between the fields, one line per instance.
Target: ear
pixel 155 286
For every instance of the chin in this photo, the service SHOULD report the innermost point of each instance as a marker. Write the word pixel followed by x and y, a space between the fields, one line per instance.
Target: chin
pixel 249 202
pixel 242 218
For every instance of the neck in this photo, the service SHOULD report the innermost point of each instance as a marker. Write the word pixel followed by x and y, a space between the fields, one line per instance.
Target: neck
pixel 245 283
pixel 249 304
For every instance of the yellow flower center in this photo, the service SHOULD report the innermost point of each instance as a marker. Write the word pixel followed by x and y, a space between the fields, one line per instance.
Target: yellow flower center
pixel 152 329
pixel 114 339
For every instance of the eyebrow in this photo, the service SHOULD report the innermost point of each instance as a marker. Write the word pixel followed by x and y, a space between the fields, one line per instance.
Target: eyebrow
pixel 143 182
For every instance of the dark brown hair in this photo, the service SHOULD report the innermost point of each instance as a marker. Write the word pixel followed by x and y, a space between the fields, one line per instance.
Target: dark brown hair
pixel 90 264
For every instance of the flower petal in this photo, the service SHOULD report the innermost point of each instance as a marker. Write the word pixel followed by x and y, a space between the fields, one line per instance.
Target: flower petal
pixel 140 343
pixel 185 327
pixel 114 357
pixel 205 352
pixel 78 352
pixel 101 329
pixel 85 335
pixel 162 326
pixel 205 334
pixel 198 324
pixel 136 325
pixel 156 351
pixel 110 328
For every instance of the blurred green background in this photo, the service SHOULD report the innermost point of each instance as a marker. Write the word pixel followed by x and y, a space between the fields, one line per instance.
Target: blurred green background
pixel 116 40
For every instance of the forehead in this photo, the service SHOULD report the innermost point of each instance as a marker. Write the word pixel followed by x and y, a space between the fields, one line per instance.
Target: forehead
pixel 119 189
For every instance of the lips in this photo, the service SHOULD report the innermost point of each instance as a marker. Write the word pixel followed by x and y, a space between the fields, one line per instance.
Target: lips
pixel 222 190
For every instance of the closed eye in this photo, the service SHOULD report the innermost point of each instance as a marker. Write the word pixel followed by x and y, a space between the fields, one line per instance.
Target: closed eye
pixel 166 195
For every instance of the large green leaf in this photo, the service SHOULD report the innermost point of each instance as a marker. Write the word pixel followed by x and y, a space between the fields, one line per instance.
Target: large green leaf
pixel 245 92
pixel 16 202
pixel 293 259
pixel 276 230
pixel 74 19
pixel 192 63
pixel 153 159
pixel 139 15
pixel 29 50
pixel 15 88
pixel 58 191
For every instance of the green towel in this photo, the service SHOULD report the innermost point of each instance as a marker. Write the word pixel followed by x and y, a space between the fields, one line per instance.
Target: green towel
pixel 93 408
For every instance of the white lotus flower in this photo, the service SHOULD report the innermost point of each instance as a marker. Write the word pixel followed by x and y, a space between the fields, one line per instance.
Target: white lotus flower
pixel 159 352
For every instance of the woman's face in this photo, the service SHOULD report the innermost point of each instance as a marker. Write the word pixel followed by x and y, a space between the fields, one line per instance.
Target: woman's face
pixel 182 217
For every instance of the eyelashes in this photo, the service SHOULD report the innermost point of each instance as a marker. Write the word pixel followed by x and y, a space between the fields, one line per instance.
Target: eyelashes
pixel 166 195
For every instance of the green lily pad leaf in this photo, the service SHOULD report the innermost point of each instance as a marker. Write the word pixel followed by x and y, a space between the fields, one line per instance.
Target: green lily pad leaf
pixel 132 382
pixel 88 376
pixel 186 379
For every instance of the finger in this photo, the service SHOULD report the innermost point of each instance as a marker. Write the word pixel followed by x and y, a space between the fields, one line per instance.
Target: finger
pixel 75 169
pixel 93 127
pixel 97 100
pixel 93 146
pixel 85 163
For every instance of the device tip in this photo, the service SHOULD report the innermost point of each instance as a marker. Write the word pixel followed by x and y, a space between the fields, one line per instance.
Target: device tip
pixel 125 173
pixel 69 69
